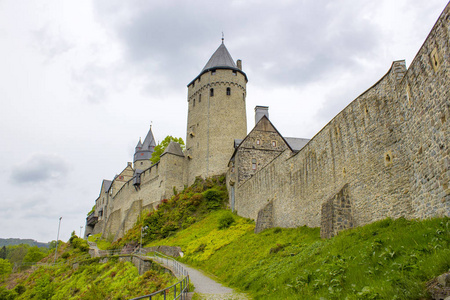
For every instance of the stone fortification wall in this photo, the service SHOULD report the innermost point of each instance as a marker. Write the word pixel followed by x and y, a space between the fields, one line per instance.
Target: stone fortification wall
pixel 389 148
pixel 157 183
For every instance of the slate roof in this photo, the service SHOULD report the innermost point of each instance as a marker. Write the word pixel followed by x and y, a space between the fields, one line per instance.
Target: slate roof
pixel 149 141
pixel 174 148
pixel 221 59
pixel 106 184
pixel 296 144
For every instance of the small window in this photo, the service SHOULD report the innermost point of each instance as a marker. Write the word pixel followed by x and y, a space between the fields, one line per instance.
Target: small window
pixel 232 167
pixel 258 142
pixel 243 96
pixel 253 163
pixel 193 103
pixel 274 143
pixel 213 72
pixel 193 84
pixel 142 163
pixel 199 98
pixel 234 73
pixel 199 79
pixel 211 92
pixel 228 91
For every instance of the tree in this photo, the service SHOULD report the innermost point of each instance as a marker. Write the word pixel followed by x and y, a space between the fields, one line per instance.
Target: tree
pixel 33 255
pixel 159 150
pixel 5 268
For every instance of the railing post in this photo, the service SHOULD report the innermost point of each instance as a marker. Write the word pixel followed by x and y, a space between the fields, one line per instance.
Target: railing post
pixel 175 291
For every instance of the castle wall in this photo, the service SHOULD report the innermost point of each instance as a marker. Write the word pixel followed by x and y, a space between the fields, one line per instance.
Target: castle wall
pixel 389 147
pixel 157 183
pixel 214 122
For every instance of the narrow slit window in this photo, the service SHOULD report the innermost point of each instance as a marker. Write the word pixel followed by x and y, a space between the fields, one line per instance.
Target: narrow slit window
pixel 258 142
pixel 253 163
pixel 274 143
pixel 228 91
pixel 199 98
pixel 193 103
pixel 211 92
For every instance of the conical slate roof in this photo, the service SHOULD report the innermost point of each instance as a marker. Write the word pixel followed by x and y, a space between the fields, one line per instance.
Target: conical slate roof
pixel 221 58
pixel 149 141
pixel 139 145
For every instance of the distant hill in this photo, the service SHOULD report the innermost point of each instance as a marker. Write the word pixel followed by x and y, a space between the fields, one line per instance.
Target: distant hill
pixel 13 242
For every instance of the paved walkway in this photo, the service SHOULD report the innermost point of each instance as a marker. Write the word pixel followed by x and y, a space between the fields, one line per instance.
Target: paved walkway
pixel 206 287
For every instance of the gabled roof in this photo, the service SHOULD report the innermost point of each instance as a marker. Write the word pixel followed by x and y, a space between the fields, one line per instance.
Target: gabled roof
pixel 260 126
pixel 221 59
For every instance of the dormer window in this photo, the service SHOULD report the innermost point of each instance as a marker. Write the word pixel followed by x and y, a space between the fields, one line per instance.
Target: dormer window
pixel 211 92
pixel 228 91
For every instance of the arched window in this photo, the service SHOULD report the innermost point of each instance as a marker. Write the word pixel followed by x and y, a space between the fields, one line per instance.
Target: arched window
pixel 211 92
pixel 228 91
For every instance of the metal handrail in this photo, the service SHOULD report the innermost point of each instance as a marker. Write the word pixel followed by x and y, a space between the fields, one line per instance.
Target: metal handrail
pixel 183 283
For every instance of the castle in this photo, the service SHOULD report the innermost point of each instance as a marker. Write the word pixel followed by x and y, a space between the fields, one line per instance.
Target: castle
pixel 385 155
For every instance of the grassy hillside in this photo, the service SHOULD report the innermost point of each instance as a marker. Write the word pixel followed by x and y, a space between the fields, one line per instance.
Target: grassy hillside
pixel 90 280
pixel 389 259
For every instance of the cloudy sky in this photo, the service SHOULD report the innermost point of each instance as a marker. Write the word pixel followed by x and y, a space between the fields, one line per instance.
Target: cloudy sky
pixel 81 81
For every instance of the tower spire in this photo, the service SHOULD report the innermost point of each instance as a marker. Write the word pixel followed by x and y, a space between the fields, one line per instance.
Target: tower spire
pixel 222 37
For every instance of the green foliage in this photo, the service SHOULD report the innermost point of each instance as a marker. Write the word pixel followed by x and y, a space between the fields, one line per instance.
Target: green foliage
pixel 5 268
pixel 389 259
pixel 159 149
pixel 102 244
pixel 91 280
pixel 179 212
pixel 91 211
pixel 225 221
pixel 78 243
pixel 34 254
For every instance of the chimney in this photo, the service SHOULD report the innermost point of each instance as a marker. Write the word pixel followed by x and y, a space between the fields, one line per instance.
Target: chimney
pixel 261 111
pixel 239 64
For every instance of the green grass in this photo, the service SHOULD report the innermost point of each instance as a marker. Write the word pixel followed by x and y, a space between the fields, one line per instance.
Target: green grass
pixel 102 244
pixel 91 280
pixel 389 259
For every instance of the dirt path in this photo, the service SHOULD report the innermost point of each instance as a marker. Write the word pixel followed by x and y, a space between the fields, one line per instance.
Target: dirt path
pixel 205 287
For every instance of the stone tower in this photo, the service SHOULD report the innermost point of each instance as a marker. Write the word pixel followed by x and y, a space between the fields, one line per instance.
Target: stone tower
pixel 143 152
pixel 216 115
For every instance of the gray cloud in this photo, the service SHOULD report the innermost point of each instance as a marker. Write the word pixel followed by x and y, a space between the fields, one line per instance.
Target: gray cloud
pixel 40 168
pixel 287 43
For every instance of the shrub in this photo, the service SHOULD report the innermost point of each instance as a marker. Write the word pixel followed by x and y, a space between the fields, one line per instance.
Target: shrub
pixel 214 198
pixel 226 221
